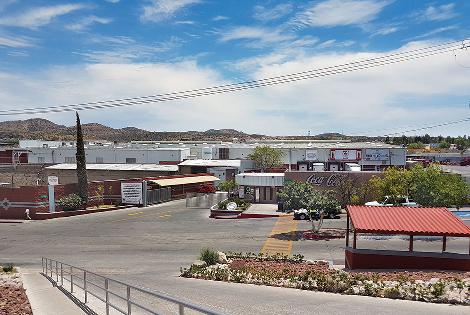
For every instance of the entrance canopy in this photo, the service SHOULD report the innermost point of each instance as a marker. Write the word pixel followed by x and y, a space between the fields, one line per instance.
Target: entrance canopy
pixel 165 182
pixel 407 221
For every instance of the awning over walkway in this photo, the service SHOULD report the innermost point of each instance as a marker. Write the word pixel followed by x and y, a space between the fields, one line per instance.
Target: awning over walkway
pixel 165 182
pixel 407 221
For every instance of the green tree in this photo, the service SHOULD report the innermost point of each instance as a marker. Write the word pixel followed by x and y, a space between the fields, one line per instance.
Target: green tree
pixel 432 187
pixel 462 143
pixel 415 145
pixel 266 157
pixel 428 186
pixel 394 183
pixel 81 164
pixel 296 195
pixel 228 186
pixel 444 145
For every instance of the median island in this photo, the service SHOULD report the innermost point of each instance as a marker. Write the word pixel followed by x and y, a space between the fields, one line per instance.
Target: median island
pixel 295 272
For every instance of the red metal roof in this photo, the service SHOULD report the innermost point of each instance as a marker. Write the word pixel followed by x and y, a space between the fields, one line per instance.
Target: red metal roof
pixel 407 221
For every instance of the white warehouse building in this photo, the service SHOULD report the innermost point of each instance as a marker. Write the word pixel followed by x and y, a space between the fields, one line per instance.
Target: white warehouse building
pixel 309 156
pixel 109 155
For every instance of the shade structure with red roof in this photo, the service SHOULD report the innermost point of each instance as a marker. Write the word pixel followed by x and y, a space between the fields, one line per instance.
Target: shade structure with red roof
pixel 407 221
pixel 410 221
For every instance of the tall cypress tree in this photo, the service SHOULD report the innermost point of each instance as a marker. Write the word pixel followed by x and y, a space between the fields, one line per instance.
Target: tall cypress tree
pixel 81 164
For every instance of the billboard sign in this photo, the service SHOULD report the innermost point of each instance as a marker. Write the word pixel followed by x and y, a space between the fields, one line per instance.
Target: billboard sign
pixel 53 180
pixel 345 155
pixel 377 155
pixel 311 155
pixel 131 193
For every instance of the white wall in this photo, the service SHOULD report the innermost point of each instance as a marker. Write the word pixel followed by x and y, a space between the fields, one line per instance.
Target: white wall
pixel 108 155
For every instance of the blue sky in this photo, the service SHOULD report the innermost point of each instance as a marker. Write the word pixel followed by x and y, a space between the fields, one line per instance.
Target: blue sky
pixel 61 52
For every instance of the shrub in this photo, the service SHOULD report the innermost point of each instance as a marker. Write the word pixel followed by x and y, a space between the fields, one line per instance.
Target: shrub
pixel 209 256
pixel 8 268
pixel 206 189
pixel 70 202
pixel 241 204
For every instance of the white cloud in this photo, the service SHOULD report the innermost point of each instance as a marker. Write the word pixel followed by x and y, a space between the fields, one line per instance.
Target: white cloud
pixel 385 31
pixel 220 18
pixel 112 1
pixel 186 22
pixel 397 95
pixel 439 13
pixel 160 10
pixel 126 50
pixel 88 21
pixel 16 41
pixel 39 16
pixel 331 13
pixel 255 36
pixel 435 31
pixel 264 14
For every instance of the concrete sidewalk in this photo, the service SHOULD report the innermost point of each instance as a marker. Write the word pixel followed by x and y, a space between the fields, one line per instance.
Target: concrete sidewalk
pixel 263 210
pixel 45 299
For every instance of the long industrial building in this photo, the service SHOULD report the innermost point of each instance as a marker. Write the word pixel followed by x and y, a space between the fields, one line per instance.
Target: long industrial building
pixel 296 155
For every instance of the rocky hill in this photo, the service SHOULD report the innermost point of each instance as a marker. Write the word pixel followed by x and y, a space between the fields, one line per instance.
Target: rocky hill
pixel 38 128
pixel 44 129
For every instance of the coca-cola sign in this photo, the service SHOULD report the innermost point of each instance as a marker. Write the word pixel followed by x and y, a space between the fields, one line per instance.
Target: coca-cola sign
pixel 332 180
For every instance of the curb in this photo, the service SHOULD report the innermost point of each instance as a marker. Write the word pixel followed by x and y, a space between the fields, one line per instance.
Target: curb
pixel 261 216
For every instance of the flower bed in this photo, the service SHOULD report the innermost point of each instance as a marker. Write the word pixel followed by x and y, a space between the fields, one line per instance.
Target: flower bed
pixel 13 299
pixel 294 272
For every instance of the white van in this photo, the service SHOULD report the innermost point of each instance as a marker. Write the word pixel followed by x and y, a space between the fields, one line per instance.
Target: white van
pixel 352 167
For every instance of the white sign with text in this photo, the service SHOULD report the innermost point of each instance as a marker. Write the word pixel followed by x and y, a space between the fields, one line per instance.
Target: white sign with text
pixel 131 193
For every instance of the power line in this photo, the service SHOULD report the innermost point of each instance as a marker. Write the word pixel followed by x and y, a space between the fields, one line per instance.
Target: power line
pixel 239 86
pixel 234 87
pixel 430 127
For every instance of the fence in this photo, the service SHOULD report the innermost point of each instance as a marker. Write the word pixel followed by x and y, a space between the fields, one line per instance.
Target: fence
pixel 158 195
pixel 91 284
pixel 205 201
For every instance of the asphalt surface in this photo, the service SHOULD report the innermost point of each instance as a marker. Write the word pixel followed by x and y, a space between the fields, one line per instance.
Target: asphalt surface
pixel 147 247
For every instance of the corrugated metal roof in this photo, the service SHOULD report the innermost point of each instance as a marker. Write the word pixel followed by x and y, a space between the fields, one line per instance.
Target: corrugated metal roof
pixel 407 221
pixel 118 167
pixel 260 179
pixel 184 180
pixel 212 163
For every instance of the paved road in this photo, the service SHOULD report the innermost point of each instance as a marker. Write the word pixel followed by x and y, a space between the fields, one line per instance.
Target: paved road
pixel 148 246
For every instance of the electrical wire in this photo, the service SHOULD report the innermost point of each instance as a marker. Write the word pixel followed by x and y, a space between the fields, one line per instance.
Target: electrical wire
pixel 234 87
pixel 430 127
pixel 238 86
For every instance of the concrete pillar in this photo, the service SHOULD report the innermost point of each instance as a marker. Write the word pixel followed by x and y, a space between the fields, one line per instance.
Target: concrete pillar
pixel 51 198
pixel 144 193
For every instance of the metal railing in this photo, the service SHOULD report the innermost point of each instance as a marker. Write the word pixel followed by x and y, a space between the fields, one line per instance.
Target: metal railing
pixel 59 272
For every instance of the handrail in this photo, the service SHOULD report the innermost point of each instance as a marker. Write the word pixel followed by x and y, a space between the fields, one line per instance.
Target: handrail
pixel 55 270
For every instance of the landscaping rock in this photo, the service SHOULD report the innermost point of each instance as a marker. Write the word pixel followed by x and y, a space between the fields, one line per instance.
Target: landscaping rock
pixel 222 258
pixel 13 299
pixel 199 263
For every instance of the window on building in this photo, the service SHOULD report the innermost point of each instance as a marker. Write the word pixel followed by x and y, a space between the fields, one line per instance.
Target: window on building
pixel 41 159
pixel 70 159
pixel 131 160
pixel 99 159
pixel 223 153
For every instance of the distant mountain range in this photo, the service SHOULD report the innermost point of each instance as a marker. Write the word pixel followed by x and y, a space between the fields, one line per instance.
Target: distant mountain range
pixel 44 129
pixel 38 128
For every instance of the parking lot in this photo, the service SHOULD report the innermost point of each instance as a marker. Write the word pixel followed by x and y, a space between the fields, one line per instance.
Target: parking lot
pixel 147 247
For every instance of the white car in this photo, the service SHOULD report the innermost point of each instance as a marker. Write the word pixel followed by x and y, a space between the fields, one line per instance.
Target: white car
pixel 403 201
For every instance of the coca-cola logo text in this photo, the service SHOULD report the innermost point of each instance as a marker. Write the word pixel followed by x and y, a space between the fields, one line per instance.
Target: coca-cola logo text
pixel 328 181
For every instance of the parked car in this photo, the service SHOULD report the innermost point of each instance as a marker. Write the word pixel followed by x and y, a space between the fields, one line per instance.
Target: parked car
pixel 303 214
pixel 402 201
